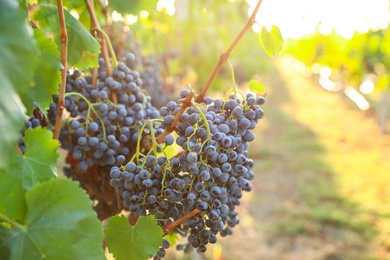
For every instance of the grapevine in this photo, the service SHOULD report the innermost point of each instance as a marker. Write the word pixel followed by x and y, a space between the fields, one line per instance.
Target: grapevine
pixel 117 144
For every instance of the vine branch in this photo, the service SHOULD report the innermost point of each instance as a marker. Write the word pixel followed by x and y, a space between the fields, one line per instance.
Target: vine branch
pixel 64 54
pixel 167 228
pixel 185 103
pixel 225 55
pixel 96 27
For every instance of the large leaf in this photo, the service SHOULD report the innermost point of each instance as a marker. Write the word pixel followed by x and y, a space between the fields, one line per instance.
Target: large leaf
pixel 38 164
pixel 5 233
pixel 12 117
pixel 12 203
pixel 133 242
pixel 47 75
pixel 83 48
pixel 59 224
pixel 17 63
pixel 272 40
pixel 17 48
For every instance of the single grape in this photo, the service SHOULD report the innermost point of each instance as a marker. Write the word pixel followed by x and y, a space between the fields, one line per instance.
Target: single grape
pixel 93 127
pixel 192 157
pixel 121 159
pixel 83 166
pixel 169 139
pixel 184 93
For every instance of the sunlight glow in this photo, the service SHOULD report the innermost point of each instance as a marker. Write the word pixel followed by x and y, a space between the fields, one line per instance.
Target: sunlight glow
pixel 316 68
pixel 75 14
pixel 116 16
pixel 358 98
pixel 167 5
pixel 367 86
pixel 325 72
pixel 131 19
pixel 300 17
pixel 144 14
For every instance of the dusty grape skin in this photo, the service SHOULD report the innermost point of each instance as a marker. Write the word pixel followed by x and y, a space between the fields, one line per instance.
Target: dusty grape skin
pixel 210 175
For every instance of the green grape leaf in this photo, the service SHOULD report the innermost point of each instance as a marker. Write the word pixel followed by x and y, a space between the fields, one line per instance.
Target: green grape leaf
pixel 272 40
pixel 133 242
pixel 17 48
pixel 17 63
pixel 59 224
pixel 38 164
pixel 5 232
pixel 12 117
pixel 12 203
pixel 83 48
pixel 256 86
pixel 47 75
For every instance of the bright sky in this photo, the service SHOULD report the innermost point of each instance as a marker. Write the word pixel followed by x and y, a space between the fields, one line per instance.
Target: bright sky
pixel 299 17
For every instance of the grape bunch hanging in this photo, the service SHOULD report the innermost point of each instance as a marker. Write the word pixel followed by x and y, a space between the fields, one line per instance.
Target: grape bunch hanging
pixel 116 142
pixel 208 176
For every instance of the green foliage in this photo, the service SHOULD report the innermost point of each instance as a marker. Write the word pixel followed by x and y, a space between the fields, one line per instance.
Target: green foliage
pixel 17 63
pixel 59 223
pixel 37 164
pixel 349 59
pixel 256 86
pixel 83 48
pixel 133 242
pixel 12 203
pixel 17 48
pixel 272 40
pixel 47 76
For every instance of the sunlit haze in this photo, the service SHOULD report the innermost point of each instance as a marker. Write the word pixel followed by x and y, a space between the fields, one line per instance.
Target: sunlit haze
pixel 299 17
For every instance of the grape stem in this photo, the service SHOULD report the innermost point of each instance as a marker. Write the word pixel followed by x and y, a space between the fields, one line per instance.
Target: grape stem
pixel 96 27
pixel 64 54
pixel 90 107
pixel 111 49
pixel 187 102
pixel 233 79
pixel 206 123
pixel 167 228
pixel 223 57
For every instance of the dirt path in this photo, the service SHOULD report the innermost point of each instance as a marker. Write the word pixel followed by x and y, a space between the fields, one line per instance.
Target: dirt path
pixel 277 222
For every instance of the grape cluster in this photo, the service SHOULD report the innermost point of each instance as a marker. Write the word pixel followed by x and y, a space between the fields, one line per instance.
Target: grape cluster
pixel 152 82
pixel 209 174
pixel 105 119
